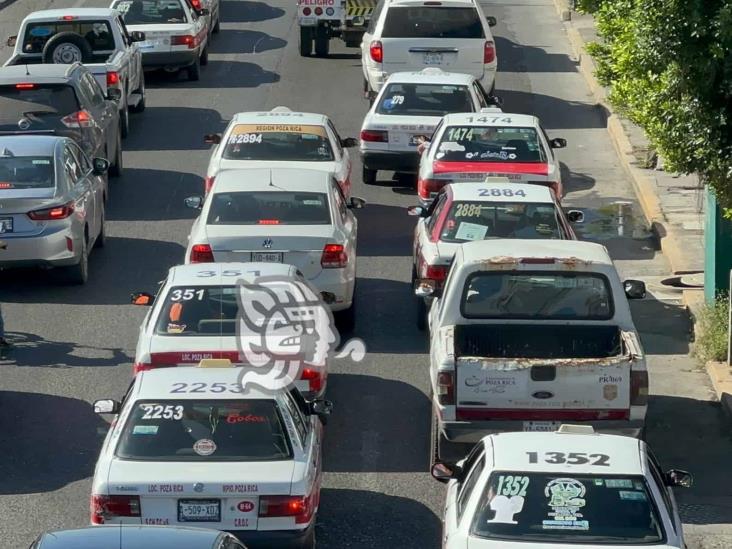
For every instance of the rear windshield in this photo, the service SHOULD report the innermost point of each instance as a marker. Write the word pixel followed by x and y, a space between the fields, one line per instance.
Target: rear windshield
pixel 537 295
pixel 26 172
pixel 283 142
pixel 470 220
pixel 145 12
pixel 424 100
pixel 97 33
pixel 205 430
pixel 269 208
pixel 545 508
pixel 432 22
pixel 37 101
pixel 490 144
pixel 199 310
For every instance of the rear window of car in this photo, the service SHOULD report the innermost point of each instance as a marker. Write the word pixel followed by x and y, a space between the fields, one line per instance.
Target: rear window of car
pixel 26 172
pixel 199 310
pixel 205 430
pixel 424 100
pixel 151 12
pixel 269 208
pixel 538 295
pixel 36 100
pixel 282 142
pixel 583 509
pixel 490 144
pixel 97 33
pixel 472 220
pixel 432 22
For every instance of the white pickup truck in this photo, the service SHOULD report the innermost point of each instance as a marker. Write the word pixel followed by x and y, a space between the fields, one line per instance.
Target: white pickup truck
pixel 528 334
pixel 319 20
pixel 96 37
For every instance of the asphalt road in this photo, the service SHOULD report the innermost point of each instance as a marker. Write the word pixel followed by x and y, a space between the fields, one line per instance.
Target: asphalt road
pixel 74 345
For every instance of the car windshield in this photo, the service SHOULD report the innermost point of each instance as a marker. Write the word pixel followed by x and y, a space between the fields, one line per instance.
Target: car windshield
pixel 36 101
pixel 585 509
pixel 205 430
pixel 269 208
pixel 281 142
pixel 432 22
pixel 98 34
pixel 145 12
pixel 490 144
pixel 199 311
pixel 26 172
pixel 424 100
pixel 537 295
pixel 471 220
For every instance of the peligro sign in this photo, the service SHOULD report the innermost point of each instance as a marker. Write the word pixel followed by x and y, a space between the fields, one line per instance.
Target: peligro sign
pixel 316 2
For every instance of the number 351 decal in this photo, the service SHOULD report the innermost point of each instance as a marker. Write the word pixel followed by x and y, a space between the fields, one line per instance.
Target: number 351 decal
pixel 572 458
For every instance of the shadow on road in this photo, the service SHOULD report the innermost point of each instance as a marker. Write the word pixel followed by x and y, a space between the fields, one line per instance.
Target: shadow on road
pixel 575 181
pixel 515 57
pixel 173 128
pixel 30 350
pixel 246 41
pixel 50 441
pixel 554 113
pixel 238 74
pixel 246 12
pixel 385 231
pixel 665 328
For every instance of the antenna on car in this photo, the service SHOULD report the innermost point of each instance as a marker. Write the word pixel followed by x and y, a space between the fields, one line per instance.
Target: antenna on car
pixel 27 72
pixel 271 184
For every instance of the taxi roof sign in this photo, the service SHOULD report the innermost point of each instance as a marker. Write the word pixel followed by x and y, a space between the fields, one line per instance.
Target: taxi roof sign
pixel 215 363
pixel 576 429
pixel 496 179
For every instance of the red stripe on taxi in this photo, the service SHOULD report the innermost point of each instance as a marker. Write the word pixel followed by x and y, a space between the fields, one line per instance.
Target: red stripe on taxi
pixel 442 166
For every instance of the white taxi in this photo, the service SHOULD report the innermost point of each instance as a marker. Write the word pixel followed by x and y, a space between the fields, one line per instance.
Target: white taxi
pixel 194 316
pixel 571 488
pixel 407 110
pixel 470 147
pixel 176 34
pixel 189 447
pixel 494 208
pixel 284 215
pixel 281 138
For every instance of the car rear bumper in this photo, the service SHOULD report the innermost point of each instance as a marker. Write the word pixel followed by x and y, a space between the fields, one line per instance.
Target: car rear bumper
pixel 46 249
pixel 170 59
pixel 398 161
pixel 335 287
pixel 286 539
pixel 474 431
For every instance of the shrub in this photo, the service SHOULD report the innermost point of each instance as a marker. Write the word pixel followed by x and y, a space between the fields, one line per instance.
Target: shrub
pixel 711 342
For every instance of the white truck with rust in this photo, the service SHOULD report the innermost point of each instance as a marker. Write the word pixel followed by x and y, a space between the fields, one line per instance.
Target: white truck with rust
pixel 530 334
pixel 321 20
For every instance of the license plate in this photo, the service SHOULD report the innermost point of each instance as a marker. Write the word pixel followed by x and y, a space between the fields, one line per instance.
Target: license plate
pixel 199 510
pixel 151 44
pixel 6 225
pixel 432 58
pixel 542 426
pixel 308 21
pixel 267 257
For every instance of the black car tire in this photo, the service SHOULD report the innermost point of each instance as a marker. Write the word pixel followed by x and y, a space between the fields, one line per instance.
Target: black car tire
pixel 63 38
pixel 204 57
pixel 346 320
pixel 194 71
pixel 309 541
pixel 79 273
pixel 322 42
pixel 368 176
pixel 115 170
pixel 124 121
pixel 140 107
pixel 102 236
pixel 217 26
pixel 306 41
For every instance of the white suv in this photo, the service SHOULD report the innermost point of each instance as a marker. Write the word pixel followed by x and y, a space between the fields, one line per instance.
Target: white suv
pixel 405 35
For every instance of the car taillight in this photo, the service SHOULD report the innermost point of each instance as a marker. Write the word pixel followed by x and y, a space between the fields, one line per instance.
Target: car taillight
pixel 196 4
pixel 138 367
pixel 299 507
pixel 112 78
pixel 427 187
pixel 638 387
pixel 445 388
pixel 106 507
pixel 318 11
pixel 375 136
pixel 306 11
pixel 52 214
pixel 489 52
pixel 376 51
pixel 435 272
pixel 334 257
pixel 25 86
pixel 314 378
pixel 79 119
pixel 202 253
pixel 183 40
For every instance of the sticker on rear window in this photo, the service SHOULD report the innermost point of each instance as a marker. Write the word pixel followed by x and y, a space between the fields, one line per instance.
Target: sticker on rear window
pixel 471 231
pixel 506 507
pixel 510 485
pixel 41 31
pixel 632 496
pixel 204 447
pixel 566 500
pixel 158 411
pixel 246 138
pixel 41 162
pixel 619 483
pixel 145 430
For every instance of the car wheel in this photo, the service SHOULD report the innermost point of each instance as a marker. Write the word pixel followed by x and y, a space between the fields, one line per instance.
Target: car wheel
pixel 67 48
pixel 115 170
pixel 306 41
pixel 346 320
pixel 141 92
pixel 421 306
pixel 194 71
pixel 217 26
pixel 309 541
pixel 322 42
pixel 79 273
pixel 102 236
pixel 368 176
pixel 204 57
pixel 124 121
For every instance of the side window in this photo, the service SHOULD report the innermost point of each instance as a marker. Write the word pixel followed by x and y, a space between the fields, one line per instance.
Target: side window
pixel 93 89
pixel 375 17
pixel 338 145
pixel 436 209
pixel 548 146
pixel 297 418
pixel 71 167
pixel 123 31
pixel 84 164
pixel 655 469
pixel 468 484
pixel 340 200
pixel 230 542
pixel 481 96
pixel 84 91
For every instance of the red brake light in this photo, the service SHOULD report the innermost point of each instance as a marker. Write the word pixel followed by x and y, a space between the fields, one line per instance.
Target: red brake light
pixel 314 377
pixel 52 214
pixel 105 507
pixel 25 86
pixel 183 40
pixel 376 51
pixel 268 222
pixel 80 119
pixel 446 388
pixel 375 136
pixel 426 188
pixel 489 52
pixel 638 387
pixel 201 253
pixel 334 257
pixel 112 78
pixel 318 11
pixel 435 272
pixel 6 185
pixel 68 18
pixel 306 11
pixel 300 507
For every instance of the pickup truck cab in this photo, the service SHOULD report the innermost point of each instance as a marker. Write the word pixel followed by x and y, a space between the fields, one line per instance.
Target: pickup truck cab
pixel 528 334
pixel 96 37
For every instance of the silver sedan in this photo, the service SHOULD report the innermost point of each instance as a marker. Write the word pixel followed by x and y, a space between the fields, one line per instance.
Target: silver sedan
pixel 52 198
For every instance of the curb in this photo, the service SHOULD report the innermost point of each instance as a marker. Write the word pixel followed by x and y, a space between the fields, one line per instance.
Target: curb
pixel 721 376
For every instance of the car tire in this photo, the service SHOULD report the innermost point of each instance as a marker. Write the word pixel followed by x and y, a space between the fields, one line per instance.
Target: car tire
pixel 306 41
pixel 217 26
pixel 79 273
pixel 346 320
pixel 204 57
pixel 102 236
pixel 322 42
pixel 194 71
pixel 124 121
pixel 421 311
pixel 140 107
pixel 115 170
pixel 309 541
pixel 368 176
pixel 75 44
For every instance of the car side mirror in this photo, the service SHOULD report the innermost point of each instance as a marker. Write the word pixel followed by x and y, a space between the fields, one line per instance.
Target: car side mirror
pixel 575 216
pixel 356 203
pixel 349 142
pixel 100 166
pixel 203 12
pixel 321 408
pixel 634 289
pixel 494 100
pixel 106 406
pixel 212 138
pixel 492 21
pixel 558 143
pixel 142 298
pixel 426 287
pixel 194 202
pixel 417 211
pixel 114 94
pixel 443 473
pixel 679 478
pixel 137 36
pixel 12 41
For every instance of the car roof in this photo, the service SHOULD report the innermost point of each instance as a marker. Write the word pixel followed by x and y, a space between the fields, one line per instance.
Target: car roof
pixel 464 119
pixel 431 75
pixel 280 115
pixel 43 73
pixel 130 536
pixel 507 192
pixel 80 13
pixel 157 383
pixel 190 274
pixel 481 250
pixel 272 179
pixel 510 452
pixel 29 145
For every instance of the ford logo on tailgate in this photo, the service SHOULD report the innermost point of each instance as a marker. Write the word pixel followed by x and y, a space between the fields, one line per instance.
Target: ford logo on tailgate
pixel 542 394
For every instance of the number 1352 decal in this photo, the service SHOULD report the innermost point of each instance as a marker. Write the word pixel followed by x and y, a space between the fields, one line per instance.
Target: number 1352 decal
pixel 571 458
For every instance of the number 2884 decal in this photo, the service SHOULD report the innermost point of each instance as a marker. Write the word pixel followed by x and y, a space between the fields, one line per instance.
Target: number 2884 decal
pixel 500 192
